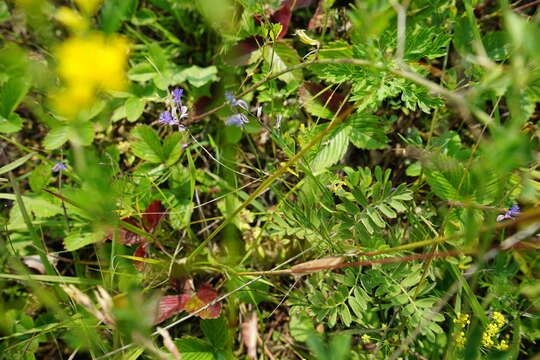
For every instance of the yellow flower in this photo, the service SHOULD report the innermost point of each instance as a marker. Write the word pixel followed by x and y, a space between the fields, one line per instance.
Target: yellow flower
pixel 88 65
pixel 366 338
pixel 490 335
pixel 502 346
pixel 461 321
pixel 88 6
pixel 71 19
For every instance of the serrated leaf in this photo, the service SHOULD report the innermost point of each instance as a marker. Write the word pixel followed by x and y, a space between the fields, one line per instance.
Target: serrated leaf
pixel 56 138
pixel 216 331
pixel 199 76
pixel 134 108
pixel 81 133
pixel 368 131
pixel 11 124
pixel 194 349
pixel 149 147
pixel 331 151
pixel 442 187
pixel 40 177
pixel 172 148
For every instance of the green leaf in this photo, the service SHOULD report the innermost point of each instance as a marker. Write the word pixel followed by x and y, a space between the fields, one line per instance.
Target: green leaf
pixel 149 147
pixel 216 331
pixel 194 349
pixel 345 315
pixel 40 177
pixel 367 225
pixel 81 133
pixel 4 12
pixel 300 326
pixel 331 151
pixel 375 217
pixel 114 12
pixel 442 187
pixel 134 108
pixel 281 56
pixel 358 306
pixel 387 211
pixel 78 240
pixel 142 72
pixel 38 206
pixel 11 124
pixel 11 94
pixel 16 163
pixel 172 148
pixel 56 138
pixel 368 131
pixel 199 76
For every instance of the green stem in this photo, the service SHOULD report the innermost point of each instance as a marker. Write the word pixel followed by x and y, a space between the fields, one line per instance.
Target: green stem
pixel 35 238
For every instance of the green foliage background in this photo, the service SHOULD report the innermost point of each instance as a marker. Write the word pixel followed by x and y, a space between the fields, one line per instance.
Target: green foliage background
pixel 391 133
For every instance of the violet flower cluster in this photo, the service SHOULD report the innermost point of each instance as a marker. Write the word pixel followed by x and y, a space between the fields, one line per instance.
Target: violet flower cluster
pixel 510 214
pixel 239 120
pixel 176 111
pixel 59 166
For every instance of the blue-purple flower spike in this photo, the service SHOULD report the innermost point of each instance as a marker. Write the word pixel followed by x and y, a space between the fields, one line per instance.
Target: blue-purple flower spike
pixel 514 211
pixel 234 102
pixel 177 96
pixel 59 167
pixel 510 214
pixel 238 120
pixel 166 118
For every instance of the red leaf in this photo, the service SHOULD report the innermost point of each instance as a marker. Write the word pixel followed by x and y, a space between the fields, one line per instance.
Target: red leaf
pixel 142 252
pixel 205 295
pixel 241 52
pixel 328 98
pixel 170 305
pixel 152 215
pixel 126 236
pixel 282 16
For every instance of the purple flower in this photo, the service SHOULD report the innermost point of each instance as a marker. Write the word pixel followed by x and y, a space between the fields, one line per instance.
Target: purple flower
pixel 59 167
pixel 166 118
pixel 238 120
pixel 177 96
pixel 510 214
pixel 514 211
pixel 233 102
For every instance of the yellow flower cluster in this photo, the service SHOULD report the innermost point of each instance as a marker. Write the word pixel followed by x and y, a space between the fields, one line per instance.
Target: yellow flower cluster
pixel 366 338
pixel 461 321
pixel 87 65
pixel 489 337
